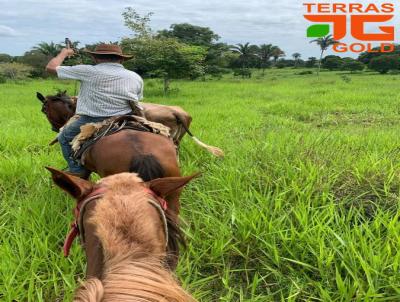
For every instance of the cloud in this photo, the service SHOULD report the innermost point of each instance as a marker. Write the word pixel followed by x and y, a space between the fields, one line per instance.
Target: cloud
pixel 89 21
pixel 6 31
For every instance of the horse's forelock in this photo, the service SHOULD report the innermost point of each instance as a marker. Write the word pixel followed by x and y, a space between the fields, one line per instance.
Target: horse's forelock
pixel 60 96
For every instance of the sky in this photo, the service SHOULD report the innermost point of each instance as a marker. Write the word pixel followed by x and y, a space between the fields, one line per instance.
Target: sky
pixel 24 24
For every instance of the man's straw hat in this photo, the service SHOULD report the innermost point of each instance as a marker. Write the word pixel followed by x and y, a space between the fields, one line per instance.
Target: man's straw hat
pixel 108 49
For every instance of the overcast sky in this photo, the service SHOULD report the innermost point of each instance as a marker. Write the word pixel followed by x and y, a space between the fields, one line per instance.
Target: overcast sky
pixel 24 24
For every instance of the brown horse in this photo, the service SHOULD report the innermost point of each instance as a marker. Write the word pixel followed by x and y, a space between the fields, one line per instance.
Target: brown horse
pixel 60 108
pixel 150 155
pixel 127 218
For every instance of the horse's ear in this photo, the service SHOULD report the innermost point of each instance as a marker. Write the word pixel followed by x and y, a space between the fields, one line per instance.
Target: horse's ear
pixel 75 186
pixel 168 185
pixel 40 97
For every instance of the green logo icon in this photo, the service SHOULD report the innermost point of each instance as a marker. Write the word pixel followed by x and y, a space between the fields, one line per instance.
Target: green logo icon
pixel 318 30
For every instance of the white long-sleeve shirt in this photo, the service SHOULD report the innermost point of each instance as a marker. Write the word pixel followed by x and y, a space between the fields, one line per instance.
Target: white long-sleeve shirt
pixel 106 88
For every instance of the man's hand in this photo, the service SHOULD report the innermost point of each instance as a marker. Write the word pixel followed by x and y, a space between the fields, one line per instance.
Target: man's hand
pixel 57 61
pixel 69 52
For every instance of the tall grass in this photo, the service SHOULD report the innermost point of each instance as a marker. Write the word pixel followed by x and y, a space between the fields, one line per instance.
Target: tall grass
pixel 305 206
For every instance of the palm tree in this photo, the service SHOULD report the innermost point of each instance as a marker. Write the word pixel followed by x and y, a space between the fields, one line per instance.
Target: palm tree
pixel 245 51
pixel 277 53
pixel 296 56
pixel 48 49
pixel 324 43
pixel 265 53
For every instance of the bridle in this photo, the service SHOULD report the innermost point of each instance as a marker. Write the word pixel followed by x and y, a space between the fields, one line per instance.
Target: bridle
pixel 54 126
pixel 97 193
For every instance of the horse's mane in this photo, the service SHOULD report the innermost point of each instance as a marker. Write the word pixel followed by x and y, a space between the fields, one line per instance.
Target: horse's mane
pixel 133 281
pixel 133 269
pixel 147 167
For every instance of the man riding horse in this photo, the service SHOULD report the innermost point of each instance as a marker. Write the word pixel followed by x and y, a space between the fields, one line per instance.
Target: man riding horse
pixel 107 90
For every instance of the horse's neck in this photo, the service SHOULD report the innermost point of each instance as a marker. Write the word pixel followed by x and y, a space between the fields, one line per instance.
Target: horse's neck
pixel 145 279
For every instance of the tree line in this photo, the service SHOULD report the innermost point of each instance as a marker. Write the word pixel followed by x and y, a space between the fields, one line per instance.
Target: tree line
pixel 189 51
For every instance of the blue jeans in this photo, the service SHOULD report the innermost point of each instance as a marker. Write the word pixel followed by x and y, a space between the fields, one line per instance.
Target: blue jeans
pixel 67 135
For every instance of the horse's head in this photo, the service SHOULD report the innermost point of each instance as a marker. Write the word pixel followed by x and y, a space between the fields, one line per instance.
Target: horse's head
pixel 122 216
pixel 58 108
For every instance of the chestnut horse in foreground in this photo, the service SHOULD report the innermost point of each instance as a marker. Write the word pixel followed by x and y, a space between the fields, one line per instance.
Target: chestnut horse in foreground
pixel 61 107
pixel 149 155
pixel 128 218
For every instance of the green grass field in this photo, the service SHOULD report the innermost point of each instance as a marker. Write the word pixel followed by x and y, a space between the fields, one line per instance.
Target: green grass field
pixel 304 207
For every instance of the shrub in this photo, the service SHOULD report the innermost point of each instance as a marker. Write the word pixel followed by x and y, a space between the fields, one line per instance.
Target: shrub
pixel 332 63
pixel 5 58
pixel 244 72
pixel 346 78
pixel 352 65
pixel 305 72
pixel 2 79
pixel 15 71
pixel 311 62
pixel 394 72
pixel 383 64
pixel 37 61
pixel 216 71
pixel 280 65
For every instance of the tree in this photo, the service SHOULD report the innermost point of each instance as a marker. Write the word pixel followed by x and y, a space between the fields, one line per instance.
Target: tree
pixel 191 34
pixel 5 58
pixel 332 63
pixel 217 58
pixel 82 57
pixel 48 49
pixel 245 51
pixel 296 56
pixel 366 57
pixel 383 64
pixel 137 23
pixel 282 63
pixel 265 54
pixel 352 65
pixel 277 53
pixel 310 63
pixel 37 60
pixel 324 43
pixel 158 55
pixel 166 58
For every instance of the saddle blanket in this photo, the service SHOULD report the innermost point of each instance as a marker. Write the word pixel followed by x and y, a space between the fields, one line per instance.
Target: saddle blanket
pixel 92 132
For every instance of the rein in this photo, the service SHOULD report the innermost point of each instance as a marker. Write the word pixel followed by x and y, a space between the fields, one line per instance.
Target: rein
pixel 97 193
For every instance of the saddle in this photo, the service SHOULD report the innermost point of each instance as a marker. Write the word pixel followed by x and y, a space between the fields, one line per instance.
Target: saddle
pixel 92 132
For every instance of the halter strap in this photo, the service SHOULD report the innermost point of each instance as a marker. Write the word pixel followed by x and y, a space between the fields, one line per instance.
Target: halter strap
pixel 163 203
pixel 77 223
pixel 97 193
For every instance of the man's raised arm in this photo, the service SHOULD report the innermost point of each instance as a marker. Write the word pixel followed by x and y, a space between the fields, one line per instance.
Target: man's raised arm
pixel 58 60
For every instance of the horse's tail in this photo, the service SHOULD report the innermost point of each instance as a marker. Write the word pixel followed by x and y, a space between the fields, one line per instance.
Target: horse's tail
pixel 90 291
pixel 213 150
